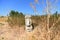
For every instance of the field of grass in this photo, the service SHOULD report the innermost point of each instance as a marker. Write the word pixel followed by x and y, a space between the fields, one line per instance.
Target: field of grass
pixel 39 33
pixel 3 19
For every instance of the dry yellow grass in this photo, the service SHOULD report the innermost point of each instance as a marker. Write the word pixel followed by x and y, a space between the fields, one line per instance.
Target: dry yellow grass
pixel 3 19
pixel 39 32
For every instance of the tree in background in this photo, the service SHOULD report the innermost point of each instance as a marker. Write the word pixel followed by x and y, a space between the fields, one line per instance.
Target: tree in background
pixel 15 18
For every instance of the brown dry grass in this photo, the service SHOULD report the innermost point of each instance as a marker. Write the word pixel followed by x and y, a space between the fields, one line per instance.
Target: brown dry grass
pixel 3 19
pixel 39 33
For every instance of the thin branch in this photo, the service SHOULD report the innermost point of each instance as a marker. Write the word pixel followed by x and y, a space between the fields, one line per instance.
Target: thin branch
pixel 36 1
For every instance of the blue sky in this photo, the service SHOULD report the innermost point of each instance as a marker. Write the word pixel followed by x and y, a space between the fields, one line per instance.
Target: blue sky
pixel 23 6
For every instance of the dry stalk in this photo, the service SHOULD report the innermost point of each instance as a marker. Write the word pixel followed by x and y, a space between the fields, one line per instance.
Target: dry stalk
pixel 55 23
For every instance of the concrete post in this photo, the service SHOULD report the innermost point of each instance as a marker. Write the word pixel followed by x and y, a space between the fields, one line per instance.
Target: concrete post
pixel 28 23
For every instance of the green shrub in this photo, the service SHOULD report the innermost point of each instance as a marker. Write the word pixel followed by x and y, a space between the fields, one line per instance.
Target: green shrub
pixel 16 18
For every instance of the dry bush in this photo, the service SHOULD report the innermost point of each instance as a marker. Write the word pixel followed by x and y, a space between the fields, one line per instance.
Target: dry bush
pixel 16 19
pixel 41 33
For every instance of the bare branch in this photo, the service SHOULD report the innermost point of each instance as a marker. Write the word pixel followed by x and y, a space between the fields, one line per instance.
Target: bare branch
pixel 37 1
pixel 33 7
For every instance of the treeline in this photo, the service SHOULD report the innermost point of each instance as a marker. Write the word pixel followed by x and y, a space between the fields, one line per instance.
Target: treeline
pixel 17 19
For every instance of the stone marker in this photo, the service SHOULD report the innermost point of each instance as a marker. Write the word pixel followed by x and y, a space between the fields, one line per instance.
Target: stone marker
pixel 28 23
